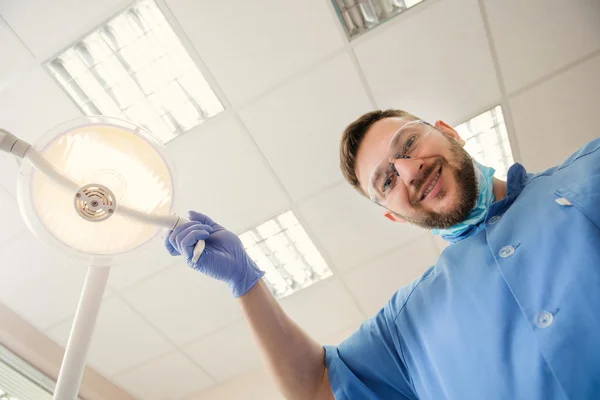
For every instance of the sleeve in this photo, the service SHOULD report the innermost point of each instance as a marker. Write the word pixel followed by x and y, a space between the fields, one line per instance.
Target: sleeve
pixel 369 365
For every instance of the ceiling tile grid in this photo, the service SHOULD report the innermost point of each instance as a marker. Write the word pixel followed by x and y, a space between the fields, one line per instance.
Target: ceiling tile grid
pixel 415 63
pixel 122 339
pixel 12 224
pixel 227 352
pixel 222 174
pixel 30 105
pixel 558 116
pixel 182 303
pixel 374 283
pixel 298 126
pixel 254 385
pixel 168 377
pixel 46 27
pixel 352 228
pixel 291 82
pixel 323 309
pixel 545 35
pixel 20 57
pixel 260 43
pixel 151 262
pixel 38 282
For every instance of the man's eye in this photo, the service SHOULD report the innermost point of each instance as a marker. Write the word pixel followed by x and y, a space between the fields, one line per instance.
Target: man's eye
pixel 388 182
pixel 409 143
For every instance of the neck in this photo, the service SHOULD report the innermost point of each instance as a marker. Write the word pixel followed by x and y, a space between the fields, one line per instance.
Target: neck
pixel 499 189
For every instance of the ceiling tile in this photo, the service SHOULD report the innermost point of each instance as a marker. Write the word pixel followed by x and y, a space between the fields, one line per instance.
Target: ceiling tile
pixel 298 127
pixel 351 228
pixel 374 283
pixel 46 27
pixel 11 222
pixel 153 260
pixel 29 107
pixel 227 352
pixel 563 109
pixel 415 64
pixel 535 37
pixel 38 282
pixel 122 339
pixel 9 170
pixel 251 45
pixel 15 51
pixel 339 337
pixel 222 174
pixel 184 304
pixel 323 309
pixel 168 377
pixel 254 385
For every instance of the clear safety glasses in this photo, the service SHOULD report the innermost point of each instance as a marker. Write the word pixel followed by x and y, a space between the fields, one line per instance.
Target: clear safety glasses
pixel 406 143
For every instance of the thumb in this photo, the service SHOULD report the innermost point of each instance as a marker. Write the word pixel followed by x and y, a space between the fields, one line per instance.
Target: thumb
pixel 196 216
pixel 172 250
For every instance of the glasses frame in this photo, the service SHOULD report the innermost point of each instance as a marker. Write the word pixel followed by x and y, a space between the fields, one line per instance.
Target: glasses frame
pixel 389 157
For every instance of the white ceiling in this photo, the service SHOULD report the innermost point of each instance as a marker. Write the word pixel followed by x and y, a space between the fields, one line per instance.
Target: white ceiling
pixel 290 81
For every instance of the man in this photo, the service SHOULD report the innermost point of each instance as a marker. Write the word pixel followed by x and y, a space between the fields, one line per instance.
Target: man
pixel 510 309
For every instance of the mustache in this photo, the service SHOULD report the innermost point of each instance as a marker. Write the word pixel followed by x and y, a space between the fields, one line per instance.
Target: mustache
pixel 430 169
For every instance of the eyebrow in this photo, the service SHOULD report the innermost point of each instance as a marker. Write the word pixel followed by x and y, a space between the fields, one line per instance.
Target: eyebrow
pixel 399 137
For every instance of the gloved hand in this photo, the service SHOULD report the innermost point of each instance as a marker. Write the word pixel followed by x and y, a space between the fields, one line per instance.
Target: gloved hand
pixel 224 257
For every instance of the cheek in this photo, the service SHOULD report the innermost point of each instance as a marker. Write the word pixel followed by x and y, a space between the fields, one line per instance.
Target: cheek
pixel 398 200
pixel 449 194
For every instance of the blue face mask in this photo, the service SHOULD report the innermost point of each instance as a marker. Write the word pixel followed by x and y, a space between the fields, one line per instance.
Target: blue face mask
pixel 462 230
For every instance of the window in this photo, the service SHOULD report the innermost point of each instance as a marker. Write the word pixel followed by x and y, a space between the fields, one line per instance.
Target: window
pixel 282 248
pixel 359 16
pixel 487 140
pixel 20 381
pixel 136 68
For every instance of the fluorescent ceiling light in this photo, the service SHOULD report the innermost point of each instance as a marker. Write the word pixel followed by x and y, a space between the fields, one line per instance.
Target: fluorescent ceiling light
pixel 20 381
pixel 135 68
pixel 359 16
pixel 282 249
pixel 487 140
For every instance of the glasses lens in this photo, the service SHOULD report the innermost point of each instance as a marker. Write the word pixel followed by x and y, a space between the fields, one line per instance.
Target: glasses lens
pixel 405 144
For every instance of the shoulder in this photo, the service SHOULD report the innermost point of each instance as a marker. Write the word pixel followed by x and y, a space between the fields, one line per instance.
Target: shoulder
pixel 400 299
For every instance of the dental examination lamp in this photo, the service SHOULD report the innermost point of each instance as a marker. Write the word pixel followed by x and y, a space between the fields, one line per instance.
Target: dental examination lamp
pixel 101 190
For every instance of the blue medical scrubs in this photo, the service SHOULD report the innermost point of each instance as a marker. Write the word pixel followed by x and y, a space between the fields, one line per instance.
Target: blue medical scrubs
pixel 511 312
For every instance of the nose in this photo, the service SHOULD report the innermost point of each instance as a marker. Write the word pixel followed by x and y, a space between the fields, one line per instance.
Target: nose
pixel 409 169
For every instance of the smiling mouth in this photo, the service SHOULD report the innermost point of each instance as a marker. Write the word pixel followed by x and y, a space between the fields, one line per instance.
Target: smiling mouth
pixel 431 184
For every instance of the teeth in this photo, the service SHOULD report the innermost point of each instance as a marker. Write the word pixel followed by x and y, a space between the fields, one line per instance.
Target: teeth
pixel 430 187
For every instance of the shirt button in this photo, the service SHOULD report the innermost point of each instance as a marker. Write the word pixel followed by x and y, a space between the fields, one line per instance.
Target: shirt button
pixel 494 219
pixel 543 319
pixel 506 251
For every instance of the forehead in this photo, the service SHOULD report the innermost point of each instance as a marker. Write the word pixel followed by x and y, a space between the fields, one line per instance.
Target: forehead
pixel 374 145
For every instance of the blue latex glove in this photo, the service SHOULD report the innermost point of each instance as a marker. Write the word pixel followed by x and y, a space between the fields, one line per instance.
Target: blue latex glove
pixel 224 257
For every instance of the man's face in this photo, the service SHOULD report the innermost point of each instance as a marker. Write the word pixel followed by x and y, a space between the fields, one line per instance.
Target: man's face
pixel 412 198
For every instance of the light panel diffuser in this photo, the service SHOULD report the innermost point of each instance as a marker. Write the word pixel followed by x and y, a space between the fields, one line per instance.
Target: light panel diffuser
pixel 282 248
pixel 135 68
pixel 359 16
pixel 487 140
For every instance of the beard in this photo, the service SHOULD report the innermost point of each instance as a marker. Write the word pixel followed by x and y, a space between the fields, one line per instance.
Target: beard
pixel 467 191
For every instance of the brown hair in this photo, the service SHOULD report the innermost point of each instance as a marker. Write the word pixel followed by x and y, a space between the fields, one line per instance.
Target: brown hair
pixel 352 138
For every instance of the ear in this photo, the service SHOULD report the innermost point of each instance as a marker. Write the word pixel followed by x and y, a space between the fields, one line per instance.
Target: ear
pixel 448 131
pixel 393 216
